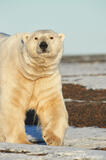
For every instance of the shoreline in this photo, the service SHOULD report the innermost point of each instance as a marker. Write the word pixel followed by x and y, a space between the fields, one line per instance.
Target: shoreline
pixel 84 58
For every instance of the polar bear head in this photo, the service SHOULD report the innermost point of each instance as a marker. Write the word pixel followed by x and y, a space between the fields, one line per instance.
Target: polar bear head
pixel 44 43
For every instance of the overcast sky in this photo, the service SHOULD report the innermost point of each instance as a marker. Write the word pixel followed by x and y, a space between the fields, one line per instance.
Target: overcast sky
pixel 82 21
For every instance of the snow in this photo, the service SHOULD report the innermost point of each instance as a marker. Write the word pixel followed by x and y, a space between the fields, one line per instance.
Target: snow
pixel 90 75
pixel 86 137
pixel 93 82
pixel 79 144
pixel 83 68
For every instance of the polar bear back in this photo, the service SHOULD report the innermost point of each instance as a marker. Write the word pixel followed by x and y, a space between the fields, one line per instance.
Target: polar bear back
pixel 3 36
pixel 9 44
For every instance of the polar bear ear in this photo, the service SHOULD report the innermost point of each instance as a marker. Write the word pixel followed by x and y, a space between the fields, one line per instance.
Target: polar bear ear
pixel 62 36
pixel 26 37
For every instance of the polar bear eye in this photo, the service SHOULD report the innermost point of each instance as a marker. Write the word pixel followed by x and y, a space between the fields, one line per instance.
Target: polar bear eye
pixel 51 37
pixel 36 38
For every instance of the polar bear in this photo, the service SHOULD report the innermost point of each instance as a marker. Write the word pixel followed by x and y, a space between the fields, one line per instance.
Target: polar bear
pixel 30 79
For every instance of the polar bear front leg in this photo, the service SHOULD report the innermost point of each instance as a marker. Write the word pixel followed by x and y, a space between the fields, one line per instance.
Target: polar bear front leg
pixel 14 97
pixel 13 126
pixel 12 116
pixel 54 120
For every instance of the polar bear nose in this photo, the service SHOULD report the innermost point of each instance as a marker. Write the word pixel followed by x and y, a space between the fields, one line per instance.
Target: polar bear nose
pixel 43 45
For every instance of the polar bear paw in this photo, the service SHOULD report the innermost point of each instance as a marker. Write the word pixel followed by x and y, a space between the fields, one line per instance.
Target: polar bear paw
pixel 51 139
